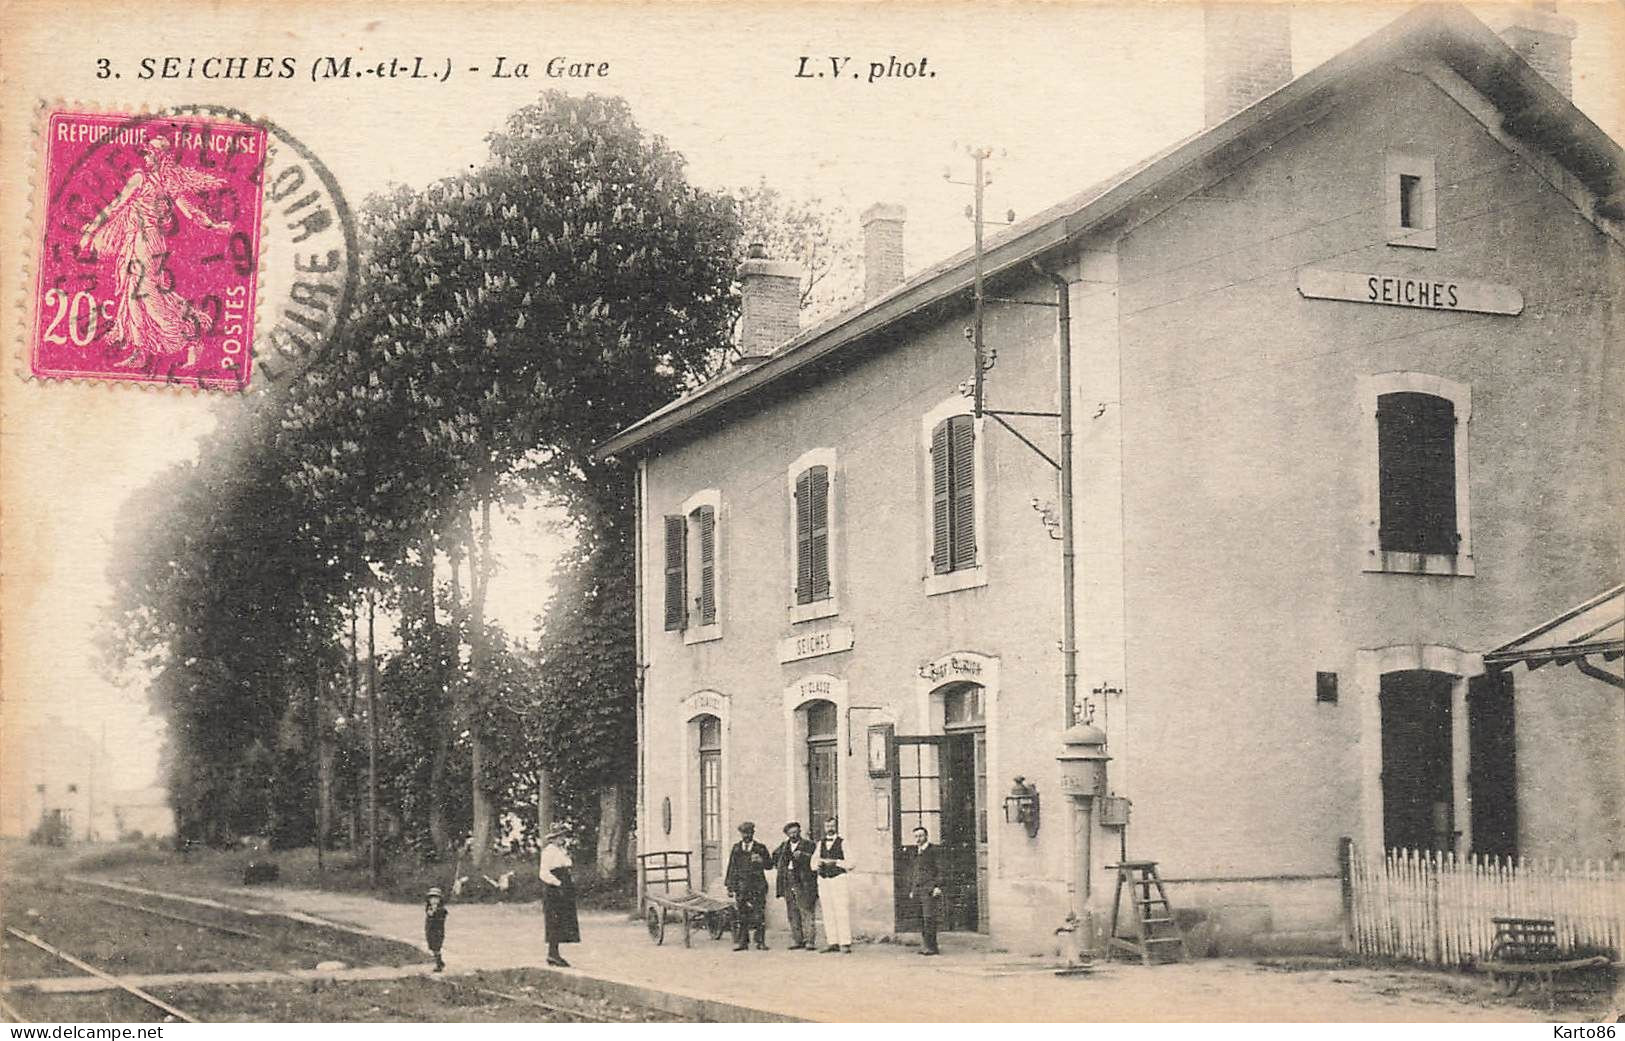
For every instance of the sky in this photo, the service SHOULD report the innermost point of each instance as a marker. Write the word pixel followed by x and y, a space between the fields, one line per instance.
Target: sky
pixel 1065 94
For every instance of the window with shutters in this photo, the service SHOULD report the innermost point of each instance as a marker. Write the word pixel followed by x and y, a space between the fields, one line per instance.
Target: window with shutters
pixel 676 574
pixel 955 493
pixel 1415 428
pixel 703 521
pixel 811 486
pixel 702 567
pixel 1416 467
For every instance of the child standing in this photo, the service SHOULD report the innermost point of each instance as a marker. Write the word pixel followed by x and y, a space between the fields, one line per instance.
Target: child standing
pixel 434 924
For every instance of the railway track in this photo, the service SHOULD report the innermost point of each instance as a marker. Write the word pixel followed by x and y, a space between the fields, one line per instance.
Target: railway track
pixel 521 999
pixel 462 989
pixel 84 966
pixel 202 923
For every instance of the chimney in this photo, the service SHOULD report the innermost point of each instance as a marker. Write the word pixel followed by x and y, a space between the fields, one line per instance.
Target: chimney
pixel 770 308
pixel 1248 53
pixel 882 248
pixel 1542 37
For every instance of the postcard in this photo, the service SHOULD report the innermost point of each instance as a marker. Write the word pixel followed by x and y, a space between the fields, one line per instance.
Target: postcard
pixel 562 511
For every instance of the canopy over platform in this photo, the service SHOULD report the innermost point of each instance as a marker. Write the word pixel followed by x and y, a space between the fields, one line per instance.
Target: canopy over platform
pixel 1595 628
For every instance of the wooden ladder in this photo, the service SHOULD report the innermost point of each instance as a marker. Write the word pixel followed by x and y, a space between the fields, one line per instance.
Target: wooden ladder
pixel 1155 931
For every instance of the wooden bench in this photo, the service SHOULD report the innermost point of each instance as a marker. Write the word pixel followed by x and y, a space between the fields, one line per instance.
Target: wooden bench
pixel 1526 948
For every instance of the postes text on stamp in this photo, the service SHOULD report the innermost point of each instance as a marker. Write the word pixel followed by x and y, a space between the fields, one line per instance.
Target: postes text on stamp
pixel 148 270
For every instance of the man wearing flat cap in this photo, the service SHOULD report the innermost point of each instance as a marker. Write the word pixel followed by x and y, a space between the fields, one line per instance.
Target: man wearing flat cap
pixel 797 883
pixel 746 881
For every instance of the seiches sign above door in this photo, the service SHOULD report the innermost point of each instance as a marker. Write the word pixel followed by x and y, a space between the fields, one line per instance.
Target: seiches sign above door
pixel 1430 294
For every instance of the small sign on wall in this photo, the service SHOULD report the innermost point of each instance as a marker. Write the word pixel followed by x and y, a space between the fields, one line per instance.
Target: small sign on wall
pixel 812 645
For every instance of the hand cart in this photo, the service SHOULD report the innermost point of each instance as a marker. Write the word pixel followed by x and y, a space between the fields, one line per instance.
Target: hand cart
pixel 1527 947
pixel 666 893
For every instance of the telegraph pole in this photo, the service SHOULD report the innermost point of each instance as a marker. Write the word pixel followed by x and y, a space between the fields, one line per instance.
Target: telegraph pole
pixel 980 156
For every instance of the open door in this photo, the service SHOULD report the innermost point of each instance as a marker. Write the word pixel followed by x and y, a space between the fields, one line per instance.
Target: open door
pixel 916 803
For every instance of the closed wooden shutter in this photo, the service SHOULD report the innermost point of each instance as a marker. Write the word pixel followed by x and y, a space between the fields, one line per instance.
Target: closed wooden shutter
pixel 1416 462
pixel 963 441
pixel 941 558
pixel 804 537
pixel 818 531
pixel 676 573
pixel 706 520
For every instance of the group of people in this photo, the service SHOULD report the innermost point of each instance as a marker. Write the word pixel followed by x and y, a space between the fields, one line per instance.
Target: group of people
pixel 811 877
pixel 808 876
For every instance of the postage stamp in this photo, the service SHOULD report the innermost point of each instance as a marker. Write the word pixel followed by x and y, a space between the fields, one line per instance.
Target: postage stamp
pixel 148 269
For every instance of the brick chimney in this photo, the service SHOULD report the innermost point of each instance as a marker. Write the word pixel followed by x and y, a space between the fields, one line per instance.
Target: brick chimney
pixel 1542 37
pixel 1248 53
pixel 770 306
pixel 882 248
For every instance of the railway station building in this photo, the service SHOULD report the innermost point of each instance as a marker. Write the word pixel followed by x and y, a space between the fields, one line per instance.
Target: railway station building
pixel 1347 393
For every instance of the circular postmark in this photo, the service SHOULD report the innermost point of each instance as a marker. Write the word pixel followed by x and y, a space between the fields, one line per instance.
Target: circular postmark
pixel 195 245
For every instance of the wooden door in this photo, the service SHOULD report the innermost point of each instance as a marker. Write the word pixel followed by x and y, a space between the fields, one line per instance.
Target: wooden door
pixel 962 836
pixel 1492 774
pixel 710 802
pixel 1417 785
pixel 710 819
pixel 822 791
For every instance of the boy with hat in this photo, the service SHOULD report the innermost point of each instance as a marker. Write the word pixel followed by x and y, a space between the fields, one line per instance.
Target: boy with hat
pixel 434 924
pixel 746 882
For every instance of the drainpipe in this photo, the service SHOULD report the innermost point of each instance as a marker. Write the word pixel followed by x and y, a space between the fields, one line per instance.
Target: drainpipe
pixel 1076 929
pixel 640 496
pixel 1069 620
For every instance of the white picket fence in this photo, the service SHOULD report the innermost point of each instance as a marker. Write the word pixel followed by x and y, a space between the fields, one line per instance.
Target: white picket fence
pixel 1435 908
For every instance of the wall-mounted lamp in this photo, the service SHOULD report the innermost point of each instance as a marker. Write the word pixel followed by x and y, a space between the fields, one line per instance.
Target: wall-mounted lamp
pixel 1021 805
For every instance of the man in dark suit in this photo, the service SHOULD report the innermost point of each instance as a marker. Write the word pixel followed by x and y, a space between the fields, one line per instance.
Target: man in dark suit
pixel 797 883
pixel 746 882
pixel 925 885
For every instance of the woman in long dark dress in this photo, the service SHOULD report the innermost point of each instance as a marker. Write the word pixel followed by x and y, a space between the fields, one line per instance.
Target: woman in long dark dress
pixel 558 894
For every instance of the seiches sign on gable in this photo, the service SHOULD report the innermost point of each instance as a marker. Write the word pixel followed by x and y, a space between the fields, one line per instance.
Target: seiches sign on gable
pixel 1433 294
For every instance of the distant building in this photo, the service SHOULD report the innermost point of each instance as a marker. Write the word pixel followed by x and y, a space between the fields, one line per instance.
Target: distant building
pixel 52 774
pixel 1347 380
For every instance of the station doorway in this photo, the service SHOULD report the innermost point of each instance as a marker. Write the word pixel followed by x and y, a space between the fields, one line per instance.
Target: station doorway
pixel 940 784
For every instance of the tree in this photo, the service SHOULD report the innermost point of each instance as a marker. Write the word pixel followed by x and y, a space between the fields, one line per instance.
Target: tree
pixel 507 321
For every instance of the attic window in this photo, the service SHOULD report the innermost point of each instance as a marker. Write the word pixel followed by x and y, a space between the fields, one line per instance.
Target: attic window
pixel 1410 201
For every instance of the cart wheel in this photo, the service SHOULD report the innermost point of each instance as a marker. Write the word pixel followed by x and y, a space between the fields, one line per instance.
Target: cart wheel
pixel 1508 983
pixel 657 925
pixel 714 924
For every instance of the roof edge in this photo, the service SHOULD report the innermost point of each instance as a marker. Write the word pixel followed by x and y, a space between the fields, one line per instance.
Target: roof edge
pixel 1464 41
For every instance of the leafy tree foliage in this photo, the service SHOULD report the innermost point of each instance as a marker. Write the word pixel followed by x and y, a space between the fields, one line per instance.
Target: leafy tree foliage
pixel 508 320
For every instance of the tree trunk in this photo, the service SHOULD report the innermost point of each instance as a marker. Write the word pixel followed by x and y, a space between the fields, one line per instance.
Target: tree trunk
pixel 544 802
pixel 479 574
pixel 353 828
pixel 372 744
pixel 440 756
pixel 611 831
pixel 323 767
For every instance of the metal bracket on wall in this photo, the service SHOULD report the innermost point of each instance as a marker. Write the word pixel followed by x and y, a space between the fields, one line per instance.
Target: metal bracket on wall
pixel 857 708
